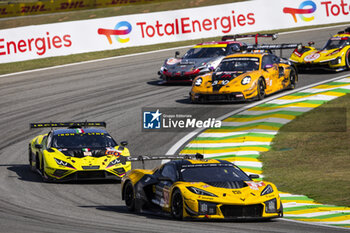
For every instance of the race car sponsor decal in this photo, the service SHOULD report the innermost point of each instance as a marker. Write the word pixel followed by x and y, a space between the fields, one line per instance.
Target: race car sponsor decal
pixel 87 152
pixel 312 57
pixel 112 151
pixel 173 61
pixel 255 185
pixel 166 197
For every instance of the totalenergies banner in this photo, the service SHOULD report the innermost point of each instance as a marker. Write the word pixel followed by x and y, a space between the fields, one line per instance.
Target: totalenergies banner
pixel 45 7
pixel 33 42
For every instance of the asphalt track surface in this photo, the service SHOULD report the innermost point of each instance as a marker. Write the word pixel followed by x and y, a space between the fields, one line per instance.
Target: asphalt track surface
pixel 113 91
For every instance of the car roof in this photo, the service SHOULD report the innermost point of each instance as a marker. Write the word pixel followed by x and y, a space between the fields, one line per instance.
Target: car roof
pixel 217 44
pixel 74 130
pixel 198 161
pixel 259 55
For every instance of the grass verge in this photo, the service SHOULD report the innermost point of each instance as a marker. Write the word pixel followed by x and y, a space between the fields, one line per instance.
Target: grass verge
pixel 315 161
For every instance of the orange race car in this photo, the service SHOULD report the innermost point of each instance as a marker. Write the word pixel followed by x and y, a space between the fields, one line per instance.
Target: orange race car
pixel 244 76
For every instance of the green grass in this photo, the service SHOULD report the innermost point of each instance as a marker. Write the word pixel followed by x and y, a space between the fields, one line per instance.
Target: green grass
pixel 316 161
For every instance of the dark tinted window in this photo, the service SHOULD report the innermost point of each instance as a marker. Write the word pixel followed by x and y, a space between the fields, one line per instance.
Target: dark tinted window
pixel 335 43
pixel 239 64
pixel 212 173
pixel 169 171
pixel 269 60
pixel 205 52
pixel 83 140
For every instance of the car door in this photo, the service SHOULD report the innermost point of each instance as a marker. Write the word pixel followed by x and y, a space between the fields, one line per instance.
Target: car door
pixel 162 188
pixel 271 72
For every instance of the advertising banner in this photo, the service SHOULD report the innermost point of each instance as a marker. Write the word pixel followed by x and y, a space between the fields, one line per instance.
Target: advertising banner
pixel 47 7
pixel 33 42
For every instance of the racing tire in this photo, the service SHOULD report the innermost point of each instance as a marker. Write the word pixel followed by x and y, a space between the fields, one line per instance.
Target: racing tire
pixel 347 59
pixel 261 89
pixel 30 158
pixel 292 79
pixel 177 205
pixel 129 196
pixel 42 170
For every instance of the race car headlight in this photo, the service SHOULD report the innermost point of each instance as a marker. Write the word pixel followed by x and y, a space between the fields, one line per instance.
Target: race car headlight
pixel 63 163
pixel 267 190
pixel 200 192
pixel 271 206
pixel 336 61
pixel 198 81
pixel 246 80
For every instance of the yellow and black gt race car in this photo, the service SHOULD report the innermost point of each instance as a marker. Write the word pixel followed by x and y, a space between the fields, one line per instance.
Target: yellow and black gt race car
pixel 245 76
pixel 335 55
pixel 201 189
pixel 77 152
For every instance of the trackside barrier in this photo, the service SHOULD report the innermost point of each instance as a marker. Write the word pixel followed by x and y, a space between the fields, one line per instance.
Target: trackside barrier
pixel 59 39
pixel 45 7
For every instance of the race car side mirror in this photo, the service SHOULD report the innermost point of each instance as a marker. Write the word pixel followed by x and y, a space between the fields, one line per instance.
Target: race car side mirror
pixel 311 43
pixel 38 146
pixel 124 143
pixel 254 176
pixel 269 66
pixel 177 53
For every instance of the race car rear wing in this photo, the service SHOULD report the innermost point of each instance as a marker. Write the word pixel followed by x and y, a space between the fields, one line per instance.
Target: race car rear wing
pixel 256 36
pixel 269 47
pixel 68 124
pixel 144 158
pixel 273 46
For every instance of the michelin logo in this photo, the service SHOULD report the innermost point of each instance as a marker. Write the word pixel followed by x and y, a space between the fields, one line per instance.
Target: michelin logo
pixel 152 120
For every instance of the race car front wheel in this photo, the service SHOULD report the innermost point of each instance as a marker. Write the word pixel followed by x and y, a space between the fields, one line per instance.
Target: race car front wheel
pixel 129 196
pixel 177 205
pixel 347 59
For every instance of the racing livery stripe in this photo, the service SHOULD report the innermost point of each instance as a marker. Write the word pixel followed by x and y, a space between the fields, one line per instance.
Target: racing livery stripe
pixel 243 136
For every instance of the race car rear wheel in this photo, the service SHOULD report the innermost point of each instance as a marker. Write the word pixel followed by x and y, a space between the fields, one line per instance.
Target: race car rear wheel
pixel 177 205
pixel 292 79
pixel 42 170
pixel 261 89
pixel 30 155
pixel 129 196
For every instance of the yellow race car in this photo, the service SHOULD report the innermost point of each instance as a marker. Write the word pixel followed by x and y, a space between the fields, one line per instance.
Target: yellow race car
pixel 77 153
pixel 202 189
pixel 245 76
pixel 335 55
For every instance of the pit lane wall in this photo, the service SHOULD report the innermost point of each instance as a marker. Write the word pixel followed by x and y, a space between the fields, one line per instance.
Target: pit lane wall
pixel 48 40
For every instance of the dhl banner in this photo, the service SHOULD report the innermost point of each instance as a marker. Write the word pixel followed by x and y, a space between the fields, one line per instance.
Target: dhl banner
pixel 51 6
pixel 60 39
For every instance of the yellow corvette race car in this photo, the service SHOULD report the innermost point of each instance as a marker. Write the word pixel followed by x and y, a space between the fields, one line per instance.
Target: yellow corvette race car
pixel 77 153
pixel 244 76
pixel 202 189
pixel 335 55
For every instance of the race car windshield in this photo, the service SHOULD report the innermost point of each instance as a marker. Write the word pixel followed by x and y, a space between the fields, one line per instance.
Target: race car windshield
pixel 204 52
pixel 334 44
pixel 83 140
pixel 238 64
pixel 212 173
